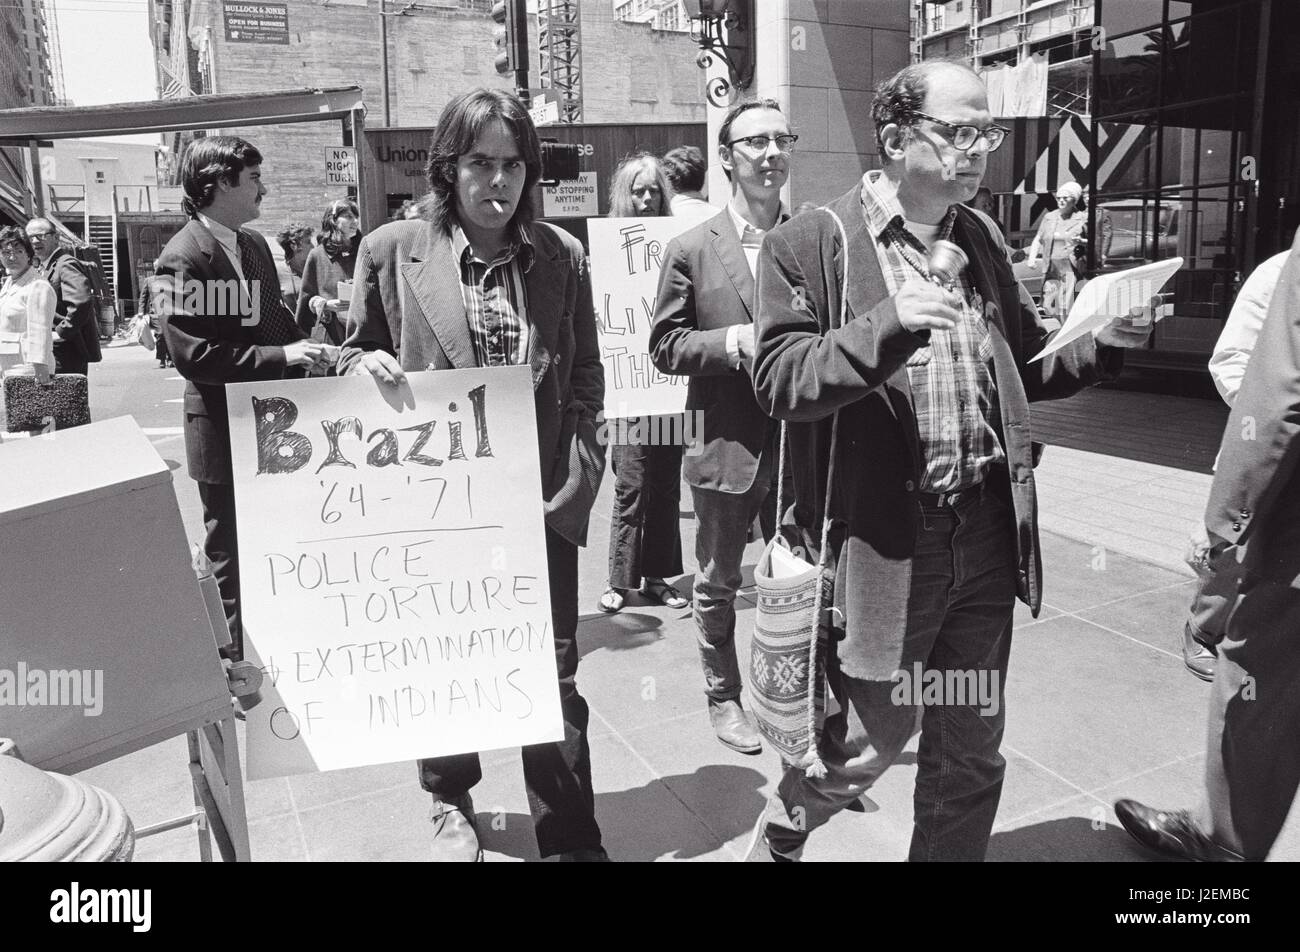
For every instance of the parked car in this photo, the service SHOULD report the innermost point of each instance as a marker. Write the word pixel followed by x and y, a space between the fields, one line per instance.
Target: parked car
pixel 1138 234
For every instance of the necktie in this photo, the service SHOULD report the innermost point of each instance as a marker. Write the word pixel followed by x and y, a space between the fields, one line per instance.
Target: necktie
pixel 275 326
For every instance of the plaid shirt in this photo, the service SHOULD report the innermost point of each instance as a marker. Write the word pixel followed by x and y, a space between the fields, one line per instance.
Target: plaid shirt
pixel 496 303
pixel 952 382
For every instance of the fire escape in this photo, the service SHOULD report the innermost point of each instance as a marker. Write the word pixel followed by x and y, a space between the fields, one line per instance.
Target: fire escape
pixel 559 41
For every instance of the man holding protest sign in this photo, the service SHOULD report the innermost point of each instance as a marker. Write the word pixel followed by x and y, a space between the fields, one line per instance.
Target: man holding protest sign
pixel 704 329
pixel 476 282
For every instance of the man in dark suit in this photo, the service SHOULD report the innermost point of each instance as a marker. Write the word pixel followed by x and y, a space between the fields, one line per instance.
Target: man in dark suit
pixel 704 329
pixel 933 499
pixel 76 327
pixel 476 282
pixel 1252 760
pixel 218 304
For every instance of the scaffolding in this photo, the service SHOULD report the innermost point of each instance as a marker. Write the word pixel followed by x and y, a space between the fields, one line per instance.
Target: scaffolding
pixel 559 42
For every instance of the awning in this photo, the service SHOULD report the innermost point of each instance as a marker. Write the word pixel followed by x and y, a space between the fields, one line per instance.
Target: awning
pixel 1067 157
pixel 219 110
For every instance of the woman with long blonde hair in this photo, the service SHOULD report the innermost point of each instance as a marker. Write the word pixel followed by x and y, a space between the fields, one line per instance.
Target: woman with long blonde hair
pixel 645 542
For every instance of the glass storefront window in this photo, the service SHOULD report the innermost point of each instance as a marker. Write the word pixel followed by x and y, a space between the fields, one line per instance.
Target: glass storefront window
pixel 1130 74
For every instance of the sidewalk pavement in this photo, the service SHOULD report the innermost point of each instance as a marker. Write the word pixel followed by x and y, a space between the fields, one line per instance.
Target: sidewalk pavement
pixel 1099 703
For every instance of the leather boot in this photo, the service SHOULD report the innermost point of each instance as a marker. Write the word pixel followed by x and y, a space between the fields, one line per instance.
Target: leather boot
pixel 733 727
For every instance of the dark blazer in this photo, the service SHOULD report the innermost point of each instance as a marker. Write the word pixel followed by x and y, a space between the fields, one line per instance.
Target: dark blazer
pixel 407 301
pixel 803 372
pixel 321 275
pixel 704 288
pixel 1255 498
pixel 211 348
pixel 77 325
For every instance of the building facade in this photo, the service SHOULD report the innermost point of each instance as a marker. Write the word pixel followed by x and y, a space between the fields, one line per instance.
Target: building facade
pixel 1178 116
pixel 436 50
pixel 28 61
pixel 670 15
pixel 1008 34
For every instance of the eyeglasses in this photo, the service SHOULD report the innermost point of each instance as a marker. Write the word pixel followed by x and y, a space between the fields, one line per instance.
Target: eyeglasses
pixel 759 143
pixel 41 234
pixel 964 136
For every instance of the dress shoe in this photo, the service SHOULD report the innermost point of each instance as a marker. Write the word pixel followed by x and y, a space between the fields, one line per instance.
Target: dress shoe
pixel 1171 834
pixel 585 856
pixel 455 836
pixel 760 851
pixel 733 727
pixel 1199 659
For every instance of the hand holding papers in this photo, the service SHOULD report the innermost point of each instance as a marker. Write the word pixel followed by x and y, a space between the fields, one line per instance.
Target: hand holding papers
pixel 1109 296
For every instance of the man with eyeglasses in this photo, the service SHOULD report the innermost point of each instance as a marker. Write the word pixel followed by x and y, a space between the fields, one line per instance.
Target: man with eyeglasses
pixel 703 328
pixel 76 325
pixel 934 501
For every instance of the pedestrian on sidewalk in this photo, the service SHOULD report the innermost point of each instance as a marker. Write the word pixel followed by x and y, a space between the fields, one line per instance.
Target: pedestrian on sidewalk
pixel 1252 757
pixel 296 241
pixel 222 180
pixel 76 326
pixel 926 381
pixel 1216 593
pixel 517 283
pixel 26 311
pixel 704 330
pixel 320 311
pixel 645 539
pixel 687 173
pixel 1061 236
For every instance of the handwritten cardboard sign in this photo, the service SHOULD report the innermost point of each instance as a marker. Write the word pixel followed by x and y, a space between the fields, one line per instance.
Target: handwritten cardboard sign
pixel 626 257
pixel 393 571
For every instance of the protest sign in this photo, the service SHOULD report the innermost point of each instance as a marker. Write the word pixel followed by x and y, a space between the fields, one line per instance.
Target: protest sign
pixel 626 257
pixel 393 574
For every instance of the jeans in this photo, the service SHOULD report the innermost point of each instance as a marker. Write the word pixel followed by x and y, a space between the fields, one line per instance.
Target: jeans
pixel 645 539
pixel 1252 761
pixel 722 525
pixel 558 775
pixel 961 601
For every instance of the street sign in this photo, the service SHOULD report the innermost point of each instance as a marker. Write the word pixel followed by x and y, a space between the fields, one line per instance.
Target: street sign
pixel 572 199
pixel 340 165
pixel 545 112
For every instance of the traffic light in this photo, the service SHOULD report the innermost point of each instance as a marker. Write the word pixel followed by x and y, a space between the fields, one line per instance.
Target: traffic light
pixel 510 35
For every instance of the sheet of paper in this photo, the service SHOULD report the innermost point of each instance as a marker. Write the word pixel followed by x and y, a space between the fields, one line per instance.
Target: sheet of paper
pixel 1109 295
pixel 785 564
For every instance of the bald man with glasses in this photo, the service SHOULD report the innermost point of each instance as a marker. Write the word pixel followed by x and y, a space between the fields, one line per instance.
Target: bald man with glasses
pixel 76 325
pixel 934 502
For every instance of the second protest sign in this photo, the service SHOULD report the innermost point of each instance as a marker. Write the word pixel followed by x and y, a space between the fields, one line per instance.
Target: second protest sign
pixel 626 258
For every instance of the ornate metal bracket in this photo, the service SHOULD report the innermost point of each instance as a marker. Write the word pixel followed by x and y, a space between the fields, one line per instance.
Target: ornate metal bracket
pixel 724 30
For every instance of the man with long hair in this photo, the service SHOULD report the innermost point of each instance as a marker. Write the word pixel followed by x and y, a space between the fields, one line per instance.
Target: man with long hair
pixel 476 282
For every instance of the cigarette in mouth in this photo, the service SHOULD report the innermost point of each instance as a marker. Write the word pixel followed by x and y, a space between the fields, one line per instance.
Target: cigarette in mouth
pixel 498 206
